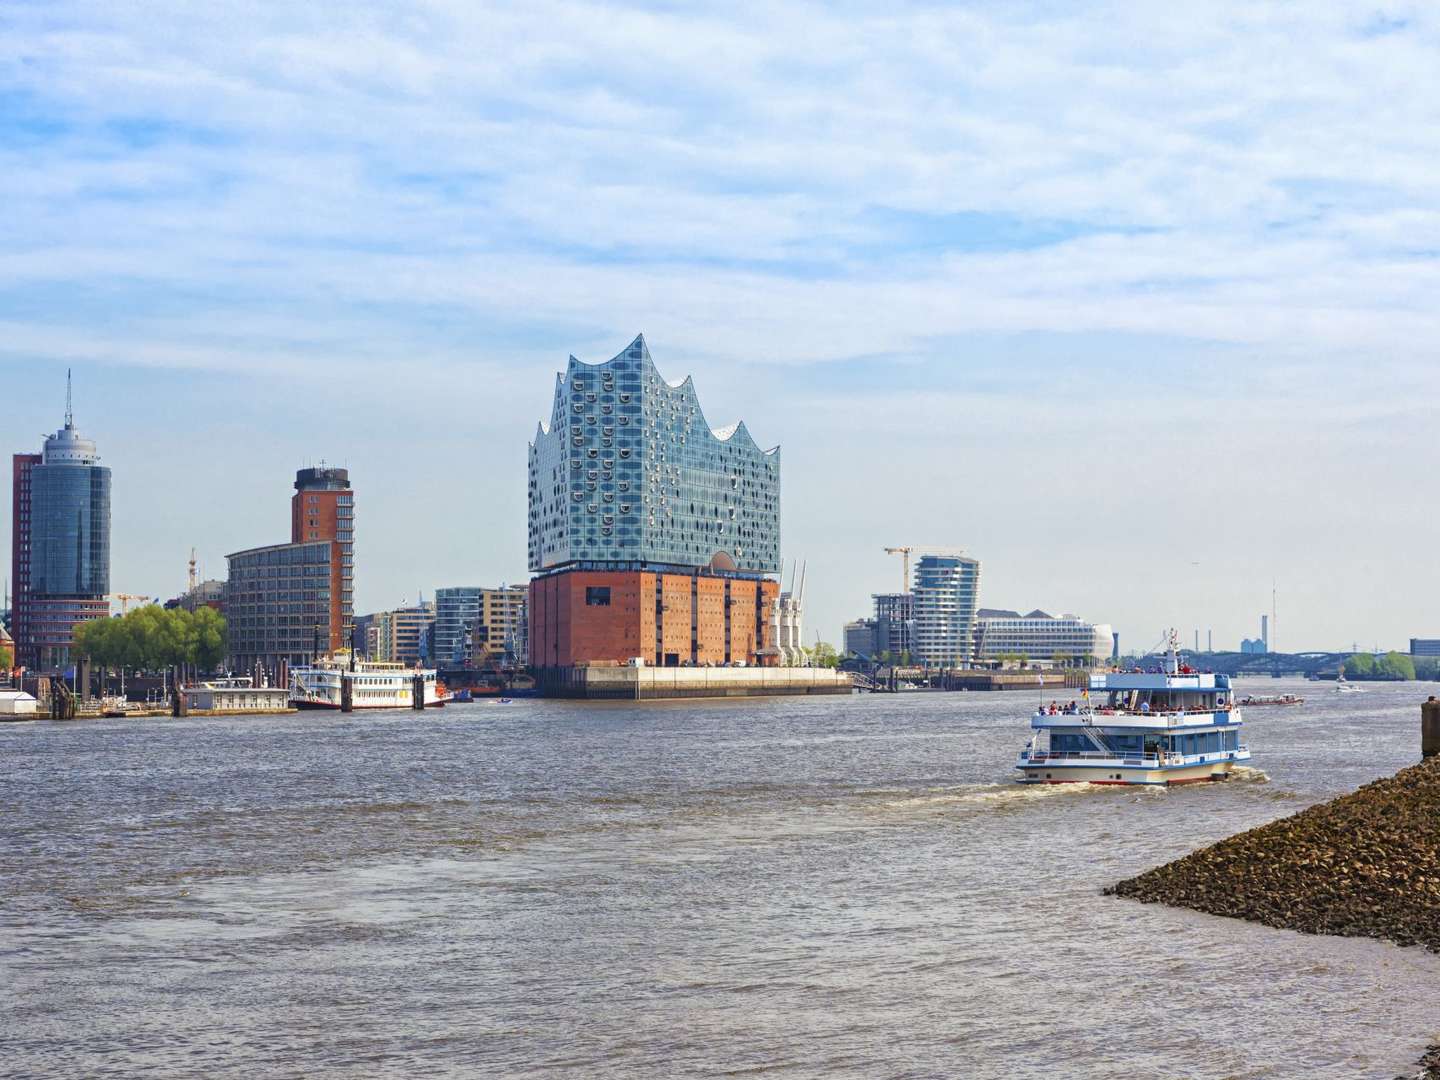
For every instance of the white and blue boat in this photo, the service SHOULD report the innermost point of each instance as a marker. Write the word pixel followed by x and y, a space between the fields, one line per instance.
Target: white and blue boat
pixel 1172 726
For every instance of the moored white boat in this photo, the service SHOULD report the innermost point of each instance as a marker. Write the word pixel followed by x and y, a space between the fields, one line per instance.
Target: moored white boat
pixel 1174 726
pixel 374 684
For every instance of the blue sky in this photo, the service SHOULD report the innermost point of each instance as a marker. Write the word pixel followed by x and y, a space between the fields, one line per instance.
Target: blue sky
pixel 1135 303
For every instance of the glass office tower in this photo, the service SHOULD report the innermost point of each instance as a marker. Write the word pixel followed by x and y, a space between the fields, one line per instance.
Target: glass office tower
pixel 66 527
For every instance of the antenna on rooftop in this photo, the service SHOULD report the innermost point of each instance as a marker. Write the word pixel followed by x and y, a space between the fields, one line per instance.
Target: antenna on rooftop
pixel 69 410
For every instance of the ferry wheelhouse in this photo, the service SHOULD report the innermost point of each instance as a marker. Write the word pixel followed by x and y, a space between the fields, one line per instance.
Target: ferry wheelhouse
pixel 374 684
pixel 1174 726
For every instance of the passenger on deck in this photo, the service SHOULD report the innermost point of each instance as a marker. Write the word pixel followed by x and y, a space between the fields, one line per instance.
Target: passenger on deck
pixel 1145 706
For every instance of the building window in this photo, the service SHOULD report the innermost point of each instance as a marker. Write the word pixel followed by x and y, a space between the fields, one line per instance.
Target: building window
pixel 597 596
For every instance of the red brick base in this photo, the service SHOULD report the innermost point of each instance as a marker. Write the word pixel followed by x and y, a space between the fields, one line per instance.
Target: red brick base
pixel 668 619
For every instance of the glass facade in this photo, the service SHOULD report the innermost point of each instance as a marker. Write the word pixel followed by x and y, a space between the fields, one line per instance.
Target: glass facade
pixel 61 554
pixel 69 530
pixel 629 471
pixel 1039 636
pixel 947 593
pixel 457 610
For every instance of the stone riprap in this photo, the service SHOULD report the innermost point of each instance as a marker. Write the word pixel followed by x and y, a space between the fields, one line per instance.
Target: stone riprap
pixel 1364 865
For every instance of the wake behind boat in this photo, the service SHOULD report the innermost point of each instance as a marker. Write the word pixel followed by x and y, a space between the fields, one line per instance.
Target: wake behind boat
pixel 374 684
pixel 1175 726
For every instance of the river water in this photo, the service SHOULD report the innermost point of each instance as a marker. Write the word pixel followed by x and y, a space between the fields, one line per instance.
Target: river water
pixel 790 887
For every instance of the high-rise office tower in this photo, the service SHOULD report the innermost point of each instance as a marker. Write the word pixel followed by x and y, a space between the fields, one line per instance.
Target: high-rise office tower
pixel 60 553
pixel 651 534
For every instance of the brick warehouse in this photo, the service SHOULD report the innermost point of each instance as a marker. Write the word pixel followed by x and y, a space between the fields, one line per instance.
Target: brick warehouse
pixel 668 619
pixel 650 534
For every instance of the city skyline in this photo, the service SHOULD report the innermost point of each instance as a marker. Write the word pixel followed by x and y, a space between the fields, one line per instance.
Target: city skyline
pixel 883 565
pixel 1025 268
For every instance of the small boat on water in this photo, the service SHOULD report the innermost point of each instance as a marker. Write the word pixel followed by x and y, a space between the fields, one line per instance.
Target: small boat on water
pixel 1174 726
pixel 1344 686
pixel 1252 700
pixel 374 684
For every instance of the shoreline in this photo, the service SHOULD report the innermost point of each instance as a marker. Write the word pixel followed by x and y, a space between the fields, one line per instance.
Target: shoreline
pixel 1366 864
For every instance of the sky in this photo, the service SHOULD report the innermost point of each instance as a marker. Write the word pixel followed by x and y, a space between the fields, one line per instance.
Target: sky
pixel 1135 303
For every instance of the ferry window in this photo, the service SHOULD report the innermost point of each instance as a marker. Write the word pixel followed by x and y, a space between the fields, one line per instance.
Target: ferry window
pixel 597 596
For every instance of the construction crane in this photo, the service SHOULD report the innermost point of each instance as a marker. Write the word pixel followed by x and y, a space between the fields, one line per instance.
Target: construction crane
pixel 904 553
pixel 125 598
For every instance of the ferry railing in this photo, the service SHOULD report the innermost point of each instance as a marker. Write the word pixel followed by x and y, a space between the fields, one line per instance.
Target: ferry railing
pixel 1090 715
pixel 1041 756
pixel 1092 755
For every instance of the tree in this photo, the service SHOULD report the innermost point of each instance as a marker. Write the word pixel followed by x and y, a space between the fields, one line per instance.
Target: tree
pixel 152 637
pixel 7 658
pixel 824 655
pixel 212 639
pixel 1392 667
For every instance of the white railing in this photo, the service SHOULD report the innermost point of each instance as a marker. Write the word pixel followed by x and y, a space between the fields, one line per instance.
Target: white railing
pixel 1041 756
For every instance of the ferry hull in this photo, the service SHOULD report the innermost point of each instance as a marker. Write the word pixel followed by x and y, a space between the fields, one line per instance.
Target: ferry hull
pixel 1202 772
pixel 330 706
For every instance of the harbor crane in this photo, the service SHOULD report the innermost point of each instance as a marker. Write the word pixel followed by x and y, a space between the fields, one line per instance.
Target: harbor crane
pixel 904 553
pixel 125 598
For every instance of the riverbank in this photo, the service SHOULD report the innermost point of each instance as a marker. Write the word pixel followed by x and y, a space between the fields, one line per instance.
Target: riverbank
pixel 1364 865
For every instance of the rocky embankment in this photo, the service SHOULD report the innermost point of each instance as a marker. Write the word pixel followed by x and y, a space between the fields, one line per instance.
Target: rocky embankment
pixel 1364 865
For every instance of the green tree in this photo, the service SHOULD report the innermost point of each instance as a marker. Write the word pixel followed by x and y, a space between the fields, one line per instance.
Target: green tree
pixel 212 639
pixel 1359 666
pixel 152 637
pixel 7 658
pixel 824 655
pixel 1395 666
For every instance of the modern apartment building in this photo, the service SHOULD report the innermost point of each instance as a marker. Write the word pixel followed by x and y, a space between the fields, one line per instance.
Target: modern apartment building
pixel 650 533
pixel 1040 636
pixel 946 597
pixel 60 545
pixel 480 626
pixel 403 635
pixel 457 613
pixel 502 634
pixel 288 603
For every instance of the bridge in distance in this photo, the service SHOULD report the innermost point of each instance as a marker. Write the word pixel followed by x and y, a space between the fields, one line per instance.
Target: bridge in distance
pixel 1323 664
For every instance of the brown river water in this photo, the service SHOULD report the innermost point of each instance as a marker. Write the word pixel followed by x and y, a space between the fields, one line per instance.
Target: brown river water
pixel 789 888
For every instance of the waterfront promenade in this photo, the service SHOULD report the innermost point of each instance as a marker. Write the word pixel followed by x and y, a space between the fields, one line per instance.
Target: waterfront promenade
pixel 836 887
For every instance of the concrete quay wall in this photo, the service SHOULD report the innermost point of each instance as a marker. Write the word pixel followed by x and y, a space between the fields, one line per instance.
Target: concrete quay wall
pixel 656 683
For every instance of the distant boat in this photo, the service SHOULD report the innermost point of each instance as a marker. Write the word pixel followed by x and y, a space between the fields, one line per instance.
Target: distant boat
pixel 374 684
pixel 1343 686
pixel 1271 699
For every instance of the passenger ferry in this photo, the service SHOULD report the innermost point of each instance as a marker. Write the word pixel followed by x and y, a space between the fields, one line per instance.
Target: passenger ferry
pixel 1175 726
pixel 375 684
